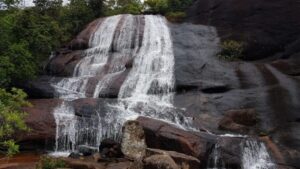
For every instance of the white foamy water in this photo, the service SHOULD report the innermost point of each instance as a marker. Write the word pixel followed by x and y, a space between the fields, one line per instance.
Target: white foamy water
pixel 65 128
pixel 92 64
pixel 255 155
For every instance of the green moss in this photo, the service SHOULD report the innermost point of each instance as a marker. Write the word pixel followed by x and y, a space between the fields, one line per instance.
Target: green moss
pixel 231 50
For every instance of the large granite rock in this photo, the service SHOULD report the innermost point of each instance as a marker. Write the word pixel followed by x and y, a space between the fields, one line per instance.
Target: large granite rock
pixel 41 122
pixel 183 161
pixel 133 141
pixel 267 27
pixel 164 136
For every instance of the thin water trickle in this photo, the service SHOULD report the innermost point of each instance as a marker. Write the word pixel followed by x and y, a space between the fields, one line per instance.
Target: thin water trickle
pixel 255 155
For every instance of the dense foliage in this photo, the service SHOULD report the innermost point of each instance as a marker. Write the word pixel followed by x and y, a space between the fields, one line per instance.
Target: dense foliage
pixel 113 7
pixel 11 118
pixel 27 36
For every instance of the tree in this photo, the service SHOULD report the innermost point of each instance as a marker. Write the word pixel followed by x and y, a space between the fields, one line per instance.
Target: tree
pixel 10 3
pixel 11 118
pixel 157 6
pixel 96 6
pixel 114 7
pixel 49 7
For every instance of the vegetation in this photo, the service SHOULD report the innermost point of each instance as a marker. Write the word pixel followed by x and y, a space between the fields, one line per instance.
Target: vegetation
pixel 174 10
pixel 176 16
pixel 11 118
pixel 50 163
pixel 114 7
pixel 231 50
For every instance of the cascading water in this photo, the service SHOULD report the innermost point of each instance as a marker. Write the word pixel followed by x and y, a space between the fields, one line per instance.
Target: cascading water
pixel 146 91
pixel 255 155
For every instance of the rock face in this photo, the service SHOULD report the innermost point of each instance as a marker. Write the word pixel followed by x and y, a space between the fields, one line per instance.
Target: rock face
pixel 267 27
pixel 239 121
pixel 133 140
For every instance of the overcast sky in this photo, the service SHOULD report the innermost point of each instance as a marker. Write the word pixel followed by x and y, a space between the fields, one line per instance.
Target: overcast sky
pixel 30 2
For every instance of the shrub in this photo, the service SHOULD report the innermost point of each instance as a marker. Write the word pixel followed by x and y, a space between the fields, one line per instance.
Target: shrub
pixel 11 118
pixel 231 50
pixel 50 163
pixel 176 16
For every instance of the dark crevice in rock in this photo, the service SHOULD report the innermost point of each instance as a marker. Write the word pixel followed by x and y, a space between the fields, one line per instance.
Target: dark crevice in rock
pixel 217 89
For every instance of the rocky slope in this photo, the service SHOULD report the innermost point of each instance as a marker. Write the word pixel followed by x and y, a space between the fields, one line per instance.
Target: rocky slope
pixel 259 98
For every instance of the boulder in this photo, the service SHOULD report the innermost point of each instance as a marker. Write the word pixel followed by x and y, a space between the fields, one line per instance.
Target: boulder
pixel 182 160
pixel 160 162
pixel 64 63
pixel 161 135
pixel 133 140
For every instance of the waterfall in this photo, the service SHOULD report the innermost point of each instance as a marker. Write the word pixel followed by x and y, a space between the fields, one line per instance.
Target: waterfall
pixel 147 90
pixel 255 155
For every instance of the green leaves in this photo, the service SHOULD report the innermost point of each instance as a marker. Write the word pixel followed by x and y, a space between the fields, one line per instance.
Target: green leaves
pixel 12 147
pixel 11 118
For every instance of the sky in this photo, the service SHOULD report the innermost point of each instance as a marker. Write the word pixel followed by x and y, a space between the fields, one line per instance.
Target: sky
pixel 30 2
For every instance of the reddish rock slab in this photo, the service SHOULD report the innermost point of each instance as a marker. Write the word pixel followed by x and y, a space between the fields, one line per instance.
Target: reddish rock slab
pixel 40 120
pixel 161 135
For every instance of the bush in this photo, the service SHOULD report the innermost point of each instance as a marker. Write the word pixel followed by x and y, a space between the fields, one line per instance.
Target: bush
pixel 231 50
pixel 11 118
pixel 176 16
pixel 167 6
pixel 50 163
